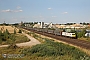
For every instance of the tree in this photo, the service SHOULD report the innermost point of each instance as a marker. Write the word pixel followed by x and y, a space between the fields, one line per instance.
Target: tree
pixel 7 31
pixel 4 36
pixel 35 22
pixel 81 23
pixel 81 33
pixel 84 23
pixel 14 31
pixel 31 23
pixel 0 34
pixel 20 31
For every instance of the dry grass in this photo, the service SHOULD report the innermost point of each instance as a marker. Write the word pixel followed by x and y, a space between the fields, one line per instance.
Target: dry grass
pixel 86 39
pixel 9 28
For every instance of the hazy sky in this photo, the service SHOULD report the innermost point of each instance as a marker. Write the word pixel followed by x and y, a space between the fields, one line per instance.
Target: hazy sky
pixel 56 11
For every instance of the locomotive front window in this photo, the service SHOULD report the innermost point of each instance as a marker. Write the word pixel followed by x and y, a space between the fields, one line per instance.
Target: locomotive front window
pixel 73 34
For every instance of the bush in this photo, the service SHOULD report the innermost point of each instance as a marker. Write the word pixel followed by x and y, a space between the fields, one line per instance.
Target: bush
pixel 81 34
pixel 20 31
pixel 4 36
pixel 12 46
pixel 14 31
pixel 7 31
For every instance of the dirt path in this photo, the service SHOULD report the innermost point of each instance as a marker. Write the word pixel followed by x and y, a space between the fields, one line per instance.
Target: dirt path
pixel 3 45
pixel 32 41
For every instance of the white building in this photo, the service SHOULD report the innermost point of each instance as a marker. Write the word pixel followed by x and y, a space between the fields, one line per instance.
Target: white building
pixel 43 25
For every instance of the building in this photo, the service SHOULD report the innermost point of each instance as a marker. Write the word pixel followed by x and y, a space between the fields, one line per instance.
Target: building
pixel 43 25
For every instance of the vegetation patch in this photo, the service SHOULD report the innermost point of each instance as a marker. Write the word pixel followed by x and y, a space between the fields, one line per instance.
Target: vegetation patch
pixel 38 37
pixel 86 39
pixel 9 38
pixel 49 50
pixel 11 54
pixel 54 49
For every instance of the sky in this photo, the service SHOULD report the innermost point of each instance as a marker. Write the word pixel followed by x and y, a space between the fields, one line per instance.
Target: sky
pixel 55 11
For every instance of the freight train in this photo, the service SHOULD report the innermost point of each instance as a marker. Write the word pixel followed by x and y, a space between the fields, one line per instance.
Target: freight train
pixel 55 32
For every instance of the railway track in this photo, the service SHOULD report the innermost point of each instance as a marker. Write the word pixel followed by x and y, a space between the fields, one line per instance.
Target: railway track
pixel 76 42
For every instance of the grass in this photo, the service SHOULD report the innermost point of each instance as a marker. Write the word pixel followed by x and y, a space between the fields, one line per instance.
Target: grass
pixel 15 38
pixel 88 27
pixel 9 28
pixel 85 39
pixel 12 52
pixel 21 38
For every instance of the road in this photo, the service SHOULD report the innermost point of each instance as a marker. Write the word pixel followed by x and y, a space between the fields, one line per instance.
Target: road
pixel 32 42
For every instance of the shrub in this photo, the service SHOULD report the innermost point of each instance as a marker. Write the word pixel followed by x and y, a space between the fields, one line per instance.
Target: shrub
pixel 5 35
pixel 12 46
pixel 14 31
pixel 81 34
pixel 20 31
pixel 7 31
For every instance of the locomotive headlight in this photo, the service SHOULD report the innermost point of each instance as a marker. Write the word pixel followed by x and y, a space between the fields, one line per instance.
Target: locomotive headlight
pixel 73 35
